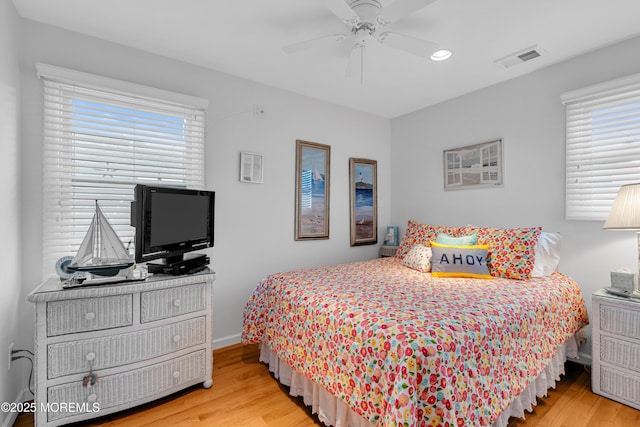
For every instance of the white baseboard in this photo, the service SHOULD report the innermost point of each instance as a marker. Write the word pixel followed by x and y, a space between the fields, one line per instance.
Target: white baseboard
pixel 11 419
pixel 227 341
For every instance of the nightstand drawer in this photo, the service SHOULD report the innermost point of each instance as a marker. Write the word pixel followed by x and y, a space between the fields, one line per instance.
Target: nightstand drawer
pixel 117 350
pixel 620 353
pixel 115 390
pixel 620 321
pixel 89 314
pixel 172 302
pixel 620 384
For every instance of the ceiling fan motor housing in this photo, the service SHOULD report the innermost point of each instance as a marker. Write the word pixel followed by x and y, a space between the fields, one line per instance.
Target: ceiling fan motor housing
pixel 363 33
pixel 367 10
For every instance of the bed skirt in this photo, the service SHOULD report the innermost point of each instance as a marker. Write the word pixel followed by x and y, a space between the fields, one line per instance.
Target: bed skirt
pixel 333 412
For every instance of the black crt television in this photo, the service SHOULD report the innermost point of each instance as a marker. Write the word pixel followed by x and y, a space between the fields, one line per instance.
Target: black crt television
pixel 171 222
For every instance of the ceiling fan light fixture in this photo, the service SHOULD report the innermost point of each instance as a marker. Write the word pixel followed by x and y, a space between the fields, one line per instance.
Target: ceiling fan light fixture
pixel 441 55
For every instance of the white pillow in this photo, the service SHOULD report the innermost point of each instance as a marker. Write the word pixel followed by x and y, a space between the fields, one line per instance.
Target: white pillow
pixel 547 254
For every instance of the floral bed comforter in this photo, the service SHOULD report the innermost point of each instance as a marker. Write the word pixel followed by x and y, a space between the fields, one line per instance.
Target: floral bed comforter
pixel 404 349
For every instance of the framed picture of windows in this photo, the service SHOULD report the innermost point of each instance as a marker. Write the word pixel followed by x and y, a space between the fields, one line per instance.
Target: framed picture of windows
pixel 474 166
pixel 251 167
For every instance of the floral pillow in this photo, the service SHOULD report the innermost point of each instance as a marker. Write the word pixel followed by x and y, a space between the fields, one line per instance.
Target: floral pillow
pixel 423 234
pixel 511 250
pixel 418 258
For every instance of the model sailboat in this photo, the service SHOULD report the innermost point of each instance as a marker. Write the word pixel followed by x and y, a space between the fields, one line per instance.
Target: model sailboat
pixel 101 252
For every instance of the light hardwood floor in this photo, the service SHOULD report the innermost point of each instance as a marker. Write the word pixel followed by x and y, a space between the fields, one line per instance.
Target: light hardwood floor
pixel 245 394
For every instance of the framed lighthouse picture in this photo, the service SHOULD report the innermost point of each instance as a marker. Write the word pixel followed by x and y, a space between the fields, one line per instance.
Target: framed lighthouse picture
pixel 364 201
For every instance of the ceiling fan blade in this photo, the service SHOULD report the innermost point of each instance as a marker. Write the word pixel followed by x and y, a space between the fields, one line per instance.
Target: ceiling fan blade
pixel 343 11
pixel 423 48
pixel 400 9
pixel 355 66
pixel 313 43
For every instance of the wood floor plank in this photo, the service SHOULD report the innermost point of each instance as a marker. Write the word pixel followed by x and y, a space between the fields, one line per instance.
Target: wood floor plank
pixel 245 394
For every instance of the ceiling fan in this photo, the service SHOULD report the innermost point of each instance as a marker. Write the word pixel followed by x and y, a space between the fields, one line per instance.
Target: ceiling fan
pixel 367 20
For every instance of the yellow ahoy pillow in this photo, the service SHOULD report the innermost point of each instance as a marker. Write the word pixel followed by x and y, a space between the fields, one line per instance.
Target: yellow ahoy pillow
pixel 460 261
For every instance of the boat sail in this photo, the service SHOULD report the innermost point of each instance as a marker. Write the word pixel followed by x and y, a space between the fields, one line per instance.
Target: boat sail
pixel 316 175
pixel 101 252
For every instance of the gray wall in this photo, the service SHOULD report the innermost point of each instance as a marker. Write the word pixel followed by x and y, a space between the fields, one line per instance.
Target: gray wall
pixel 13 382
pixel 526 112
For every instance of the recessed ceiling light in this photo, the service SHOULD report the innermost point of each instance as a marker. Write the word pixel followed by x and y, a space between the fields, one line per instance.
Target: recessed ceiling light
pixel 441 55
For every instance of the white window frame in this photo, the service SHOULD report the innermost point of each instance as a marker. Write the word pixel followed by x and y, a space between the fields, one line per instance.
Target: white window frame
pixel 454 168
pixel 602 145
pixel 137 133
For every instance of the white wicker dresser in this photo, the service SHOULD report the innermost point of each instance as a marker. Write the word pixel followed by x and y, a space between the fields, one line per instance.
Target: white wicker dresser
pixel 143 340
pixel 616 348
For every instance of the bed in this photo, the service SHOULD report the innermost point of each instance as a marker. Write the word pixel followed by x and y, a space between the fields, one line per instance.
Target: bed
pixel 390 342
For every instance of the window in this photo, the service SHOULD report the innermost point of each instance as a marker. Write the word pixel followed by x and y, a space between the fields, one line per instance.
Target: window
pixel 603 146
pixel 103 136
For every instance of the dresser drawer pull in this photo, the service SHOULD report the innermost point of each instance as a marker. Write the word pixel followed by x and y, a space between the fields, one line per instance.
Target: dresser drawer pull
pixel 90 357
pixel 92 397
pixel 177 338
pixel 176 374
pixel 176 302
pixel 90 315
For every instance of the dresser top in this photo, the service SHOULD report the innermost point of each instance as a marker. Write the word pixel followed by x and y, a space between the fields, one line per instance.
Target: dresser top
pixel 52 290
pixel 602 293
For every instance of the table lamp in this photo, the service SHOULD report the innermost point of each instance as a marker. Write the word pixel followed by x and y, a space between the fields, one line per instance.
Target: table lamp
pixel 625 214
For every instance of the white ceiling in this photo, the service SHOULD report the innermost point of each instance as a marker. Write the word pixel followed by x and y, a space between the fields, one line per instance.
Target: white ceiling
pixel 245 38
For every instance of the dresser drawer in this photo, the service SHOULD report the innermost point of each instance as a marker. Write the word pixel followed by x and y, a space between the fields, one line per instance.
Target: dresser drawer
pixel 618 384
pixel 620 321
pixel 172 302
pixel 120 389
pixel 117 350
pixel 620 353
pixel 88 314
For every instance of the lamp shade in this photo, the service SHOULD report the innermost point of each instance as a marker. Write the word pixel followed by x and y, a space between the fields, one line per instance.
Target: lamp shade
pixel 625 213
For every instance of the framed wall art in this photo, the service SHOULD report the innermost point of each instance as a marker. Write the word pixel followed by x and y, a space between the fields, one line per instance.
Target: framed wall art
pixel 473 166
pixel 364 201
pixel 251 167
pixel 313 162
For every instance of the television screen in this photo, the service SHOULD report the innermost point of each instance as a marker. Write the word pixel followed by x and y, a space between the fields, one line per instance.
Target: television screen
pixel 170 222
pixel 178 217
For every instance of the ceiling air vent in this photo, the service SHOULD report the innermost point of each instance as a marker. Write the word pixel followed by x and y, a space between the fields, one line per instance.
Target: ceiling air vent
pixel 519 57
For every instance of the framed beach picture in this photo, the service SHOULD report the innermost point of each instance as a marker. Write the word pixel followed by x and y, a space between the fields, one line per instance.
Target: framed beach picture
pixel 364 201
pixel 313 163
pixel 473 166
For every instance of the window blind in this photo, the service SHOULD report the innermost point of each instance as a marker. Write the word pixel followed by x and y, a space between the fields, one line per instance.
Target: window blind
pixel 101 138
pixel 602 145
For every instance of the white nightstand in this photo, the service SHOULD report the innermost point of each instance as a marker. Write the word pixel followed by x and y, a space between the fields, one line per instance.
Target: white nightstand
pixel 616 348
pixel 388 251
